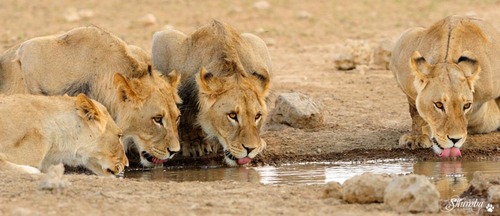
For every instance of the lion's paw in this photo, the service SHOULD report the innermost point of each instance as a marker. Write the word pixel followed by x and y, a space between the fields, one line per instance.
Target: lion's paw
pixel 413 141
pixel 197 148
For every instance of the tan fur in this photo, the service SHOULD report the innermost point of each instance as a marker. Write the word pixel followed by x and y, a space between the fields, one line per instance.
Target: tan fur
pixel 223 72
pixel 41 131
pixel 85 60
pixel 453 62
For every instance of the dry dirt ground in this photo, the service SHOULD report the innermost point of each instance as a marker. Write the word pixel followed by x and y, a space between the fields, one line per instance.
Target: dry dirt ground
pixel 365 112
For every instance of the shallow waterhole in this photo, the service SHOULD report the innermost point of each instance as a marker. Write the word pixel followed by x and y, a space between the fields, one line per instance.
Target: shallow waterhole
pixel 450 177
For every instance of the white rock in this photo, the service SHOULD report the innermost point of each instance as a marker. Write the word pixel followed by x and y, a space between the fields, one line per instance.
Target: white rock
pixel 262 5
pixel 86 13
pixel 148 20
pixel 74 15
pixel 297 110
pixel 304 15
pixel 71 15
pixel 167 27
pixel 494 194
pixel 412 193
pixel 260 30
pixel 270 41
pixel 365 188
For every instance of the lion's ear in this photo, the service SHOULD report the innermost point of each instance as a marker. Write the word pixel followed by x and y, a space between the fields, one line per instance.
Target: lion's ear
pixel 207 82
pixel 264 82
pixel 421 69
pixel 124 89
pixel 174 78
pixel 469 65
pixel 89 112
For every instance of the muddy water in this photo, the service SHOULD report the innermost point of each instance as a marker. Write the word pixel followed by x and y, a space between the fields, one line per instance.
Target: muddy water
pixel 450 177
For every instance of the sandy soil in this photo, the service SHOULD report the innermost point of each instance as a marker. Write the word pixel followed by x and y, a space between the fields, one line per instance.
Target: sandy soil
pixel 365 112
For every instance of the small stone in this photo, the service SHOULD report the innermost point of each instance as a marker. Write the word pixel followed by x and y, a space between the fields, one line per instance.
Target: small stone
pixel 318 150
pixel 262 5
pixel 270 41
pixel 297 110
pixel 494 194
pixel 86 13
pixel 260 30
pixel 333 190
pixel 71 15
pixel 74 15
pixel 365 188
pixel 344 62
pixel 304 15
pixel 167 27
pixel 148 20
pixel 412 193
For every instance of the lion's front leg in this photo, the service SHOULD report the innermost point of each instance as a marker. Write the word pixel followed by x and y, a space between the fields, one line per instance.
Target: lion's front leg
pixel 419 135
pixel 194 143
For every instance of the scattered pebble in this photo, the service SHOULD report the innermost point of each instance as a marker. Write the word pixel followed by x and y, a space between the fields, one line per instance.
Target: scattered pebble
pixel 262 5
pixel 167 27
pixel 365 188
pixel 304 15
pixel 270 41
pixel 74 15
pixel 260 30
pixel 148 20
pixel 412 194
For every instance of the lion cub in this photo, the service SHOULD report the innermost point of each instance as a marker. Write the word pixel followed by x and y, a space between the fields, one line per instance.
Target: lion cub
pixel 40 131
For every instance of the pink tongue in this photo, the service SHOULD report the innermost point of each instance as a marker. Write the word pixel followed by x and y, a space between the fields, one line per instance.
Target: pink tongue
pixel 455 152
pixel 244 160
pixel 446 152
pixel 158 161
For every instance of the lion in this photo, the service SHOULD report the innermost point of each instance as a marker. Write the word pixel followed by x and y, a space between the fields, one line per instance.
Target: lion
pixel 451 76
pixel 40 131
pixel 224 85
pixel 89 60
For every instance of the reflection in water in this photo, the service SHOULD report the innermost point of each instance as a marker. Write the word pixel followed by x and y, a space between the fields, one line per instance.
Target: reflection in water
pixel 240 174
pixel 450 177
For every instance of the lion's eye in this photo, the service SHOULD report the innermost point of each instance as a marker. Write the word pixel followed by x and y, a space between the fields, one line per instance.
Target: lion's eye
pixel 467 106
pixel 120 136
pixel 158 120
pixel 439 105
pixel 257 117
pixel 232 116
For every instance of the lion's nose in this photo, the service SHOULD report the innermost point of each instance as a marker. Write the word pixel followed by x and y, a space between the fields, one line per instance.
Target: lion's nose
pixel 171 152
pixel 454 140
pixel 248 149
